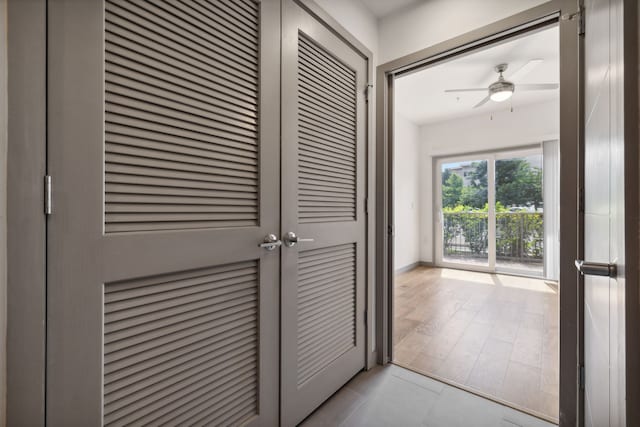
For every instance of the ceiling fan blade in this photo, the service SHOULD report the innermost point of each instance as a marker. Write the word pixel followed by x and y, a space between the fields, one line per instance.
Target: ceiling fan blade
pixel 481 103
pixel 525 69
pixel 543 86
pixel 478 89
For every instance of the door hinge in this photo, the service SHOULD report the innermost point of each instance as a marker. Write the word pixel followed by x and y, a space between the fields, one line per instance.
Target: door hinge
pixel 366 318
pixel 581 379
pixel 390 230
pixel 581 200
pixel 367 92
pixel 366 206
pixel 580 16
pixel 48 203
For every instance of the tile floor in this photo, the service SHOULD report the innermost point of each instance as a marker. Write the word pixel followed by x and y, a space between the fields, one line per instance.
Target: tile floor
pixel 392 396
pixel 494 334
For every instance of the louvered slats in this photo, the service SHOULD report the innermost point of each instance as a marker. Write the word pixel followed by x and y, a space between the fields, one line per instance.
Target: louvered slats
pixel 182 349
pixel 326 307
pixel 326 136
pixel 181 114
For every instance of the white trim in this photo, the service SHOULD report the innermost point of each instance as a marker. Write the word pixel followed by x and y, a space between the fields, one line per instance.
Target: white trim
pixel 491 225
pixel 411 266
pixel 551 188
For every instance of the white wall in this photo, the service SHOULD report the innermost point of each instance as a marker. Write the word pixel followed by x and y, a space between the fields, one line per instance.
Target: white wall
pixel 357 19
pixel 525 126
pixel 426 204
pixel 418 27
pixel 435 21
pixel 406 191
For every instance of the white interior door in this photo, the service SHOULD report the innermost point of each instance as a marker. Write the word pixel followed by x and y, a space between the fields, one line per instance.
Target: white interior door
pixel 604 220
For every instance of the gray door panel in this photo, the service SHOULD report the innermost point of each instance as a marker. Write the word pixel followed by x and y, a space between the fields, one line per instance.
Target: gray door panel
pixel 164 152
pixel 323 192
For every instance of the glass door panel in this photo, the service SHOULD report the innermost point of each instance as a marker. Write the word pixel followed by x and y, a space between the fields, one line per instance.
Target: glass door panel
pixel 465 213
pixel 519 214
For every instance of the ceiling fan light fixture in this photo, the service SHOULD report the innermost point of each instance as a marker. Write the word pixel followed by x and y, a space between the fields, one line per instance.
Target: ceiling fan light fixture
pixel 501 96
pixel 501 90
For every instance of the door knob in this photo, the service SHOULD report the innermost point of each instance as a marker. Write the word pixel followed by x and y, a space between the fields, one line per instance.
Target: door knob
pixel 290 239
pixel 270 242
pixel 596 268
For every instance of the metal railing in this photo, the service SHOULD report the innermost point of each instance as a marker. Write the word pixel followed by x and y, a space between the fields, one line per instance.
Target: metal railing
pixel 466 234
pixel 519 236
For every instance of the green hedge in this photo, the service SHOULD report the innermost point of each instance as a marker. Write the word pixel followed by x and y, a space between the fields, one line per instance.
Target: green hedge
pixel 519 235
pixel 470 225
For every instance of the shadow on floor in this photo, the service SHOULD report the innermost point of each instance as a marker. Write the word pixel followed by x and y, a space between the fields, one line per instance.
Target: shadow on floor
pixel 396 397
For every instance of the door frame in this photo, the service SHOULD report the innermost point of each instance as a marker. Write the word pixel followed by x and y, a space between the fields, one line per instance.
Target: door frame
pixel 566 13
pixel 631 67
pixel 26 222
pixel 491 156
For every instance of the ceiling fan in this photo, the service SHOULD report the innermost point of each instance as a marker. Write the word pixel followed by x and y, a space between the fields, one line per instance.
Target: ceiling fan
pixel 503 89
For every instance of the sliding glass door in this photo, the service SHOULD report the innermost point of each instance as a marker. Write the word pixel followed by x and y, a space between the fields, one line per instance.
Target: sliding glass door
pixel 489 212
pixel 465 212
pixel 519 214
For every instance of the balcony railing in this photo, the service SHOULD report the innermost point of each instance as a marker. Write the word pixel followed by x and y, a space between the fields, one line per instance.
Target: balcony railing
pixel 466 234
pixel 519 236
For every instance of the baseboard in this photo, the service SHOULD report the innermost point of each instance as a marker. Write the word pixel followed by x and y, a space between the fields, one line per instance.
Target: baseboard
pixel 407 267
pixel 372 360
pixel 411 266
pixel 427 264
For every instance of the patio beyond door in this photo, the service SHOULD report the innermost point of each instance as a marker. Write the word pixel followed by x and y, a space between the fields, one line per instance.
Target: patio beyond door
pixel 490 212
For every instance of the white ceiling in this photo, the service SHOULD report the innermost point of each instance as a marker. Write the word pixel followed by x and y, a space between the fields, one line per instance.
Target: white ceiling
pixel 420 96
pixel 382 8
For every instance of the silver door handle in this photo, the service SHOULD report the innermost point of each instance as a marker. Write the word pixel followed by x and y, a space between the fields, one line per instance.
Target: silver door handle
pixel 596 268
pixel 290 239
pixel 270 242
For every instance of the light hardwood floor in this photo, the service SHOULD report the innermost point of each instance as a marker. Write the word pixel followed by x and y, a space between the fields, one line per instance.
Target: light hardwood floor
pixel 495 334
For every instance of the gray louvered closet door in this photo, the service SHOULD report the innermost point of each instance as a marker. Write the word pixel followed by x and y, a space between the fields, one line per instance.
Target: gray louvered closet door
pixel 164 153
pixel 323 192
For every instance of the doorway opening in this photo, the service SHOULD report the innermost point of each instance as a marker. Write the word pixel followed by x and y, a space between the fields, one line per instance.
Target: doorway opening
pixel 476 221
